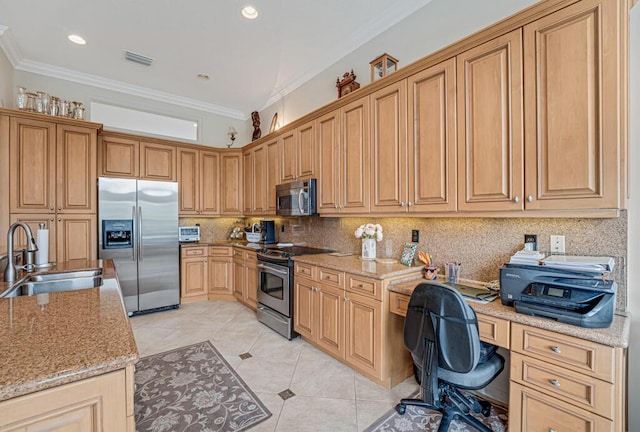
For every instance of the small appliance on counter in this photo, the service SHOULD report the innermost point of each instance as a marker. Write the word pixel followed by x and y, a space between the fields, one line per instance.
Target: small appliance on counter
pixel 296 198
pixel 268 230
pixel 189 234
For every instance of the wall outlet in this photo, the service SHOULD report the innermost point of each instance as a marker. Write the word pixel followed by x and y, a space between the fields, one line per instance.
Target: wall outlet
pixel 415 236
pixel 557 243
pixel 531 242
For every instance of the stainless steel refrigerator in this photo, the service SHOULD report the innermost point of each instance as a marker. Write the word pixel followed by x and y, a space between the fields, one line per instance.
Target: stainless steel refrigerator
pixel 138 225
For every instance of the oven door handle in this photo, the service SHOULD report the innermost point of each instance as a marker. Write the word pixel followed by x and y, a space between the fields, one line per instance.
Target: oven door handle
pixel 264 267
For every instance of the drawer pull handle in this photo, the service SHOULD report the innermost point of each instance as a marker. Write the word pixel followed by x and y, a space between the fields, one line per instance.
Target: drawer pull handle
pixel 555 383
pixel 556 350
pixel 552 430
pixel 328 277
pixel 360 286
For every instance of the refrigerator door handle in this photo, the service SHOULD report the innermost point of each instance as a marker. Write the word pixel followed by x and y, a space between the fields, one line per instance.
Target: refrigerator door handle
pixel 134 245
pixel 140 244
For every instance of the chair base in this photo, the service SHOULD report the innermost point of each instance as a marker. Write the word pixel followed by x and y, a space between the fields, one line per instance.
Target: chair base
pixel 452 404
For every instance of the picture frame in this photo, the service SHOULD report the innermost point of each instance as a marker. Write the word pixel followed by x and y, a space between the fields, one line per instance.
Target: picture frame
pixel 408 253
pixel 274 123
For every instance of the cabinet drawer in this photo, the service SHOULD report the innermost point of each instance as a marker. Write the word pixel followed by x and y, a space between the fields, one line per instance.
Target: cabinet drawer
pixel 331 277
pixel 238 253
pixel 530 410
pixel 578 354
pixel 304 270
pixel 191 252
pixel 398 303
pixel 493 330
pixel 366 286
pixel 219 251
pixel 586 392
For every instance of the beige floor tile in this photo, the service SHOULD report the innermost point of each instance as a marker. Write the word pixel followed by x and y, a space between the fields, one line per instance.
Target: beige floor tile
pixel 368 390
pixel 308 414
pixel 274 404
pixel 272 345
pixel 266 375
pixel 370 411
pixel 231 342
pixel 323 378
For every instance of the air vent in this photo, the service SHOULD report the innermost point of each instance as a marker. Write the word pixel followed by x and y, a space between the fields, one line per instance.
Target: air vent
pixel 138 58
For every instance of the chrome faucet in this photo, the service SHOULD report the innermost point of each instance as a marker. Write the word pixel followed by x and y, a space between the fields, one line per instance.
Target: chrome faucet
pixel 11 270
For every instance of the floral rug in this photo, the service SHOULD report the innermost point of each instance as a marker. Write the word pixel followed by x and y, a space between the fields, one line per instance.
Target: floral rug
pixel 417 419
pixel 191 389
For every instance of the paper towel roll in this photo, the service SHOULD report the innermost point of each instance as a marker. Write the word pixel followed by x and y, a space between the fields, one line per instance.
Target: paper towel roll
pixel 42 240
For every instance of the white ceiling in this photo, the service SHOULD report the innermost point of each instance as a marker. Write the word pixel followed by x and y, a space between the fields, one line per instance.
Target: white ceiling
pixel 251 63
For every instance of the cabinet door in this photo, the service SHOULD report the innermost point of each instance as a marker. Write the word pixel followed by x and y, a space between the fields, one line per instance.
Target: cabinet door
pixel 389 148
pixel 328 140
pixel 249 192
pixel 76 169
pixel 231 184
pixel 363 323
pixel 194 277
pixel 209 183
pixel 259 180
pixel 32 158
pixel 273 174
pixel 330 311
pixel 188 182
pixel 432 138
pixel 306 151
pixel 289 167
pixel 118 157
pixel 573 108
pixel 157 162
pixel 490 153
pixel 354 157
pixel 76 237
pixel 220 276
pixel 238 279
pixel 251 278
pixel 34 220
pixel 304 314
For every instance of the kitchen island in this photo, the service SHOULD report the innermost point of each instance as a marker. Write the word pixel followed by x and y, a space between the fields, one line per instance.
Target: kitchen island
pixel 67 358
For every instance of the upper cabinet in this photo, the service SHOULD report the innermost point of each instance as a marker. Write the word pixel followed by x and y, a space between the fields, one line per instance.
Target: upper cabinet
pixel 573 130
pixel 490 130
pixel 128 157
pixel 299 153
pixel 198 182
pixel 231 183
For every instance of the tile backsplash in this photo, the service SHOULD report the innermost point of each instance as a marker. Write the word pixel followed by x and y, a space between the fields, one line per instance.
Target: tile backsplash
pixel 482 245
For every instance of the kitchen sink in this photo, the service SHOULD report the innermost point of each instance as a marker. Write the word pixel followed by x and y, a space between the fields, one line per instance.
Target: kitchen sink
pixel 55 282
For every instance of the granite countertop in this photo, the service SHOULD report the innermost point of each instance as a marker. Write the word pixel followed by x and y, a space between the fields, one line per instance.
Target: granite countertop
pixel 227 243
pixel 354 264
pixel 54 339
pixel 616 335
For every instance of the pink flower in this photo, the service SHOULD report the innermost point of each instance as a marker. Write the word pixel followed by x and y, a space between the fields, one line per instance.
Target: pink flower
pixel 359 232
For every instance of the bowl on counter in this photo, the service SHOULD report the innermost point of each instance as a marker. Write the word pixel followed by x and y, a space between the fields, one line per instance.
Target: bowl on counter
pixel 253 237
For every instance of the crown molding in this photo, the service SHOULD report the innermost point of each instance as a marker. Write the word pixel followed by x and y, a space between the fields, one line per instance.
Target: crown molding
pixel 9 46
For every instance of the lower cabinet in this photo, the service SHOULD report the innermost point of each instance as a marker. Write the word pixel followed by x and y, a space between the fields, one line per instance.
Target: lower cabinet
pixel 245 275
pixel 220 273
pixel 363 319
pixel 102 403
pixel 194 274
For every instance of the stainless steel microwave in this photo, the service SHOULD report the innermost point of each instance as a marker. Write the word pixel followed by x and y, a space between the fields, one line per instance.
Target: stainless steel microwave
pixel 296 198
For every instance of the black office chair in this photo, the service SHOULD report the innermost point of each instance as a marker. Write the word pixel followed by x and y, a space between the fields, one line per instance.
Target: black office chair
pixel 441 332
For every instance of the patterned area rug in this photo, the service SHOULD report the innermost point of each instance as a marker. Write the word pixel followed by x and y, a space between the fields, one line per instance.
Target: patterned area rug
pixel 417 419
pixel 191 389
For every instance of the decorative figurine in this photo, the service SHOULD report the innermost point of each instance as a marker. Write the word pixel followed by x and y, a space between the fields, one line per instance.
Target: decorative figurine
pixel 348 84
pixel 255 119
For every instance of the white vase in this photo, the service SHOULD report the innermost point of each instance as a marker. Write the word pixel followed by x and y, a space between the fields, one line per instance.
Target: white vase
pixel 368 249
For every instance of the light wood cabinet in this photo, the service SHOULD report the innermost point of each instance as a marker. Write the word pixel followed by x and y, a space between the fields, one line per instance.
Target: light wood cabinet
pixel 299 153
pixel 118 157
pixel 343 142
pixel 245 283
pixel 76 237
pixel 220 273
pixel 363 318
pixel 573 109
pixel 157 161
pixel 262 166
pixel 490 130
pixel 198 182
pixel 129 156
pixel 194 274
pixel 272 172
pixel 102 403
pixel 231 183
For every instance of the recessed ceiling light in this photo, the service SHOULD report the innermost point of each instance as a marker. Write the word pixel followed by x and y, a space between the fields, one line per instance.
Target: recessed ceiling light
pixel 77 39
pixel 202 76
pixel 249 12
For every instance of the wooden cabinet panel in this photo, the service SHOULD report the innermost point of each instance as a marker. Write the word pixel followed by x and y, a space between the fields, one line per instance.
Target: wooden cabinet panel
pixel 331 277
pixel 289 168
pixel 490 141
pixel 431 138
pixel 572 108
pixel 306 151
pixel 194 277
pixel 398 303
pixel 259 183
pixel 304 315
pixel 209 183
pixel 331 325
pixel 251 276
pixel 238 279
pixel 193 252
pixel 329 151
pixel 305 270
pixel 231 184
pixel 157 161
pixel 188 182
pixel 76 236
pixel 494 330
pixel 34 220
pixel 32 154
pixel 220 275
pixel 118 157
pixel 76 169
pixel 273 155
pixel 363 318
pixel 249 191
pixel 365 286
pixel 389 148
pixel 354 157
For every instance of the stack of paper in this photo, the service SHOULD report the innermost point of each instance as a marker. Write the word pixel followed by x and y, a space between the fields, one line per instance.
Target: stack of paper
pixel 525 257
pixel 577 263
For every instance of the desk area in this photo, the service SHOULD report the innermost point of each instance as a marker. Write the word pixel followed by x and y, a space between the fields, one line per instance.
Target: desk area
pixel 577 376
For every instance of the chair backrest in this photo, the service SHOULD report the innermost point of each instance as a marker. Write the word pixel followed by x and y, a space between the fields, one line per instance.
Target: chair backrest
pixel 439 314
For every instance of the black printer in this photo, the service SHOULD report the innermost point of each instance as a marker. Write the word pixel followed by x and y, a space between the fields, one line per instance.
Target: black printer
pixel 582 299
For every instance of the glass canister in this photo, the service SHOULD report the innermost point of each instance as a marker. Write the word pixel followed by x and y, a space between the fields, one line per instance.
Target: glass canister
pixel 72 107
pixel 78 111
pixel 42 102
pixel 54 106
pixel 64 108
pixel 21 98
pixel 31 101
